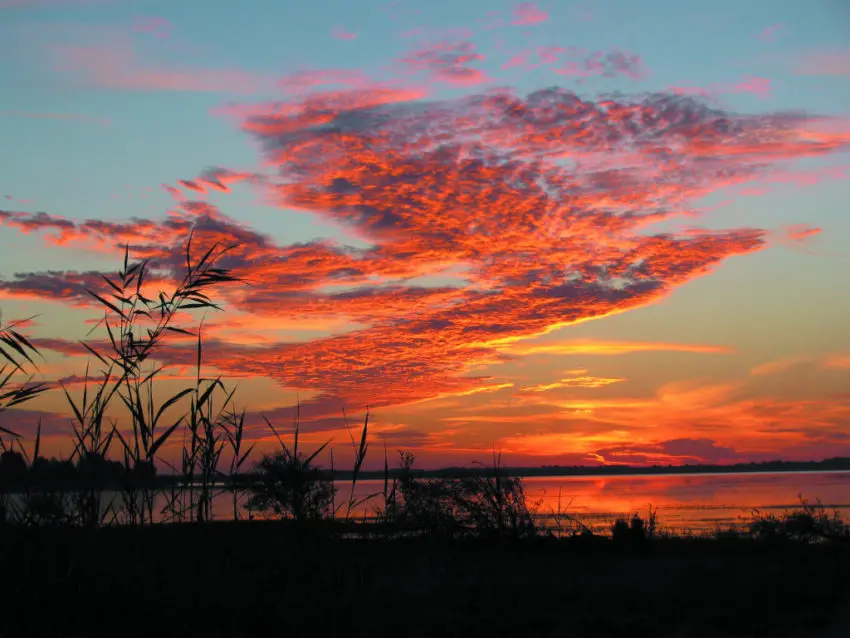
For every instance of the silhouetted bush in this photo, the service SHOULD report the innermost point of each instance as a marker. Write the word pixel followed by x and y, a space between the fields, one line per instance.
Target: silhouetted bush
pixel 489 504
pixel 808 524
pixel 290 487
pixel 620 531
pixel 494 505
pixel 635 530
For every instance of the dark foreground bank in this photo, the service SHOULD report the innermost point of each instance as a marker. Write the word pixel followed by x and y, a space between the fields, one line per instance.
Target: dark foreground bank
pixel 264 578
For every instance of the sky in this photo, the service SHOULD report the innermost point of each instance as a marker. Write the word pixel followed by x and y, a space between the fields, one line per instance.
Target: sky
pixel 592 232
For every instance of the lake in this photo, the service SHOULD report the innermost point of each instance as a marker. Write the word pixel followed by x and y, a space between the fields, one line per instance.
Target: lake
pixel 684 502
pixel 690 502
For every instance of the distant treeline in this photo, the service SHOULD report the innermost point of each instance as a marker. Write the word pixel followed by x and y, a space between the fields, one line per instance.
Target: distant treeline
pixel 91 470
pixel 836 463
pixel 15 472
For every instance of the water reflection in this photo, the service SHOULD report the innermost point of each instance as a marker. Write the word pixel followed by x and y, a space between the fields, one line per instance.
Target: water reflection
pixel 695 503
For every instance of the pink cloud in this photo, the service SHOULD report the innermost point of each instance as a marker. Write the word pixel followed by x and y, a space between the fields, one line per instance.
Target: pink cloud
pixel 412 33
pixel 436 34
pixel 798 178
pixel 448 63
pixel 755 85
pixel 175 193
pixel 528 14
pixel 153 25
pixel 118 67
pixel 300 82
pixel 18 201
pixel 748 84
pixel 609 65
pixel 550 55
pixel 519 60
pixel 339 33
pixel 768 34
pixel 834 61
pixel 577 62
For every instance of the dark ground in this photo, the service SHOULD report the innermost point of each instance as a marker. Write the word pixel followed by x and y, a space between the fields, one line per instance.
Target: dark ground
pixel 258 579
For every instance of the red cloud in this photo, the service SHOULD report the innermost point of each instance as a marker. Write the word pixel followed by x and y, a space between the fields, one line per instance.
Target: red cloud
pixel 217 179
pixel 528 14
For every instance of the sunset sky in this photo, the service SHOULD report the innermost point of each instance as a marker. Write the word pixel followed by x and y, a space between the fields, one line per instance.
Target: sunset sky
pixel 578 232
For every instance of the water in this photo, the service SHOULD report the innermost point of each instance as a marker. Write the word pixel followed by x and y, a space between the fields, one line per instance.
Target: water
pixel 684 502
pixel 696 502
pixel 693 503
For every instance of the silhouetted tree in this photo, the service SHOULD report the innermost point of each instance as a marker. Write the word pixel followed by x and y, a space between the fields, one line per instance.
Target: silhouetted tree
pixel 40 474
pixel 13 470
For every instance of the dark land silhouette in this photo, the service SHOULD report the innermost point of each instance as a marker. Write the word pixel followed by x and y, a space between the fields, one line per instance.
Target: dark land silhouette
pixel 249 578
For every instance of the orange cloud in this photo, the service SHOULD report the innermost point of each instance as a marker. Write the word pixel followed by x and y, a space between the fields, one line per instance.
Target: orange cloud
pixel 536 209
pixel 611 348
pixel 838 361
pixel 573 382
pixel 639 430
pixel 801 232
pixel 776 367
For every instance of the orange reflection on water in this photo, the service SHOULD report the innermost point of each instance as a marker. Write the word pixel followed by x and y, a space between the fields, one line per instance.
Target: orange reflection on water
pixel 685 503
pixel 697 502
